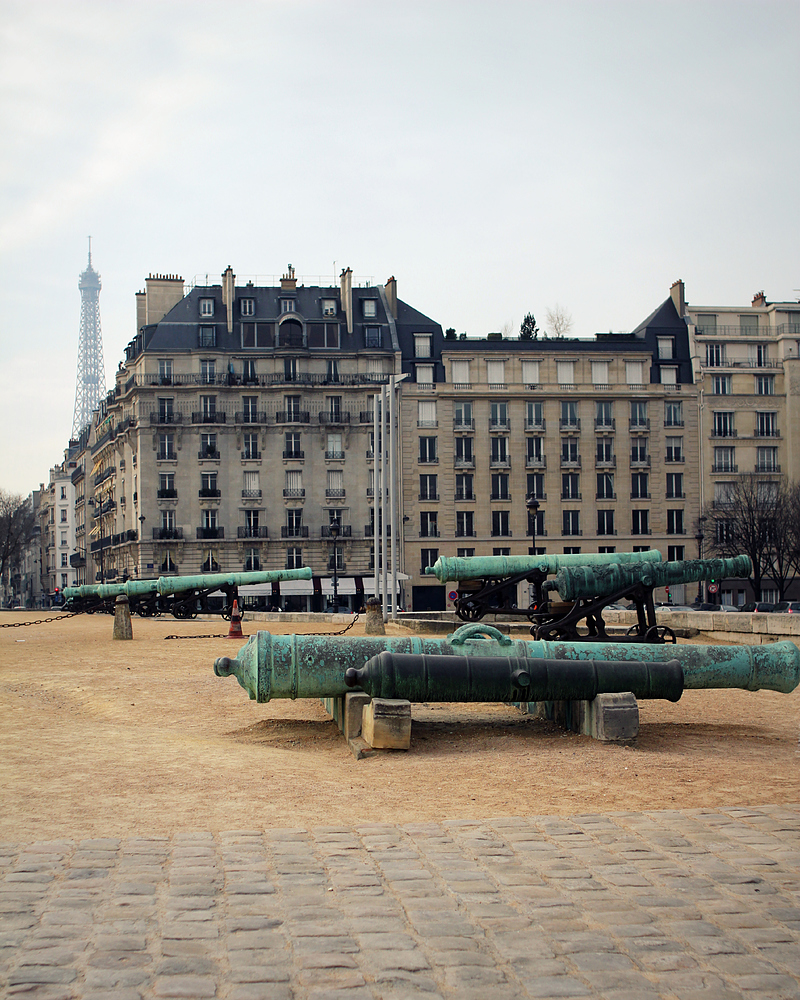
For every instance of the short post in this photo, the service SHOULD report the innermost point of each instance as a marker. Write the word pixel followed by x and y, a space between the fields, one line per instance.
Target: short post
pixel 373 624
pixel 122 618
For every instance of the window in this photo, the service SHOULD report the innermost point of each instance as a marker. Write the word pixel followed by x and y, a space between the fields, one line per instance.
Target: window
pixel 723 423
pixel 292 404
pixel 166 414
pixel 721 385
pixel 639 413
pixel 166 446
pixel 464 454
pixel 530 372
pixel 462 416
pixel 323 335
pixel 208 446
pixel 500 523
pixel 748 324
pixel 669 375
pixel 570 486
pixel 208 407
pixel 723 494
pixel 706 324
pixel 294 522
pixel 165 370
pixel 334 447
pixel 673 414
pixel 500 486
pixel 570 522
pixel 247 307
pixel 335 485
pixel 765 385
pixel 427 558
pixel 372 337
pixel 465 553
pixel 168 520
pixel 210 519
pixel 675 553
pixel 605 486
pixel 536 521
pixel 329 307
pixel 639 451
pixel 252 562
pixel 767 424
pixel 569 451
pixel 498 451
pixel 565 372
pixel 766 460
pixel 64 559
pixel 294 484
pixel 168 565
pixel 723 531
pixel 606 548
pixel 207 336
pixel 64 488
pixel 675 522
pixel 208 484
pixel 369 308
pixel 759 355
pixel 428 487
pixel 640 486
pixel 501 552
pixel 605 450
pixel 208 371
pixel 605 522
pixel 724 460
pixel 715 355
pixel 423 374
pixel 291 445
pixel 166 484
pixel 429 524
pixel 666 348
pixel 496 373
pixel 294 558
pixel 572 550
pixel 464 487
pixel 288 305
pixel 640 522
pixel 427 448
pixel 535 485
pixel 332 370
pixel 422 345
pixel 459 372
pixel 206 307
pixel 674 449
pixel 465 524
pixel 534 454
pixel 600 373
pixel 251 519
pixel 766 493
pixel 257 334
pixel 534 416
pixel 604 414
pixel 426 413
pixel 569 414
pixel 63 516
pixel 634 372
pixel 769 594
pixel 498 416
pixel 675 486
pixel 251 487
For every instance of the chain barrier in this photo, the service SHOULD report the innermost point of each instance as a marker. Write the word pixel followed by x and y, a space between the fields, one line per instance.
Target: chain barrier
pixel 41 621
pixel 224 635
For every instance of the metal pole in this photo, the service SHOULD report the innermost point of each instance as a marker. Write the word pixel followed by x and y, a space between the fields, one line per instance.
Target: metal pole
pixel 376 544
pixel 385 564
pixel 393 488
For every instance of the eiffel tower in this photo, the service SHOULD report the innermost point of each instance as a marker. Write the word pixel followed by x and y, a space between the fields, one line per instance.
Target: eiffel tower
pixel 90 385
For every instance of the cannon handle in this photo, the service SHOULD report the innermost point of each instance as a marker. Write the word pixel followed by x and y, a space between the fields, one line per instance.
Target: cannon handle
pixel 460 636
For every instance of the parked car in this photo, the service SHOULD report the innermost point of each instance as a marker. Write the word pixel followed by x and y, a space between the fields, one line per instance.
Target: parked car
pixel 727 607
pixel 675 607
pixel 787 607
pixel 757 606
pixel 706 606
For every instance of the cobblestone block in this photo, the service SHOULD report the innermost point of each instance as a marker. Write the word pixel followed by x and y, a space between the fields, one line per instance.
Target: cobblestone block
pixel 190 987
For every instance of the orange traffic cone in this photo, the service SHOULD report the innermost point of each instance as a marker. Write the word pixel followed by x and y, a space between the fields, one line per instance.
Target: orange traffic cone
pixel 235 631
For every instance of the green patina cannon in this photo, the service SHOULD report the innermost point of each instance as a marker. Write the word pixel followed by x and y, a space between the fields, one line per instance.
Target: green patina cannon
pixel 308 666
pixel 488 584
pixel 183 596
pixel 592 588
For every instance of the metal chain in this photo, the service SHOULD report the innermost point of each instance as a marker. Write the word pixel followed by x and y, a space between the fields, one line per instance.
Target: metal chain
pixel 41 621
pixel 225 635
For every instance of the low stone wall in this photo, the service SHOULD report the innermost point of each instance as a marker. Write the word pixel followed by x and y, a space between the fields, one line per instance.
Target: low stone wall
pixel 748 628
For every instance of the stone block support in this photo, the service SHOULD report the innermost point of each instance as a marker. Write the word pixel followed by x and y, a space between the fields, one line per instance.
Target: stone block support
pixel 386 724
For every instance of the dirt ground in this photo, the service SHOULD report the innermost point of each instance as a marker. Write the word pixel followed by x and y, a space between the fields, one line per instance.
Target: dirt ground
pixel 102 737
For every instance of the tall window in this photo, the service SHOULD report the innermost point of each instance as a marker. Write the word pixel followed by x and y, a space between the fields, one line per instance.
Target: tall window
pixel 640 522
pixel 605 486
pixel 639 413
pixel 675 553
pixel 249 409
pixel 498 415
pixel 500 486
pixel 723 423
pixel 428 487
pixel 165 370
pixel 165 411
pixel 207 336
pixel 427 449
pixel 294 558
pixel 292 404
pixel 464 455
pixel 674 449
pixel 767 460
pixel 721 385
pixel 634 372
pixel 208 485
pixel 715 355
pixel 500 523
pixel 426 413
pixel 498 451
pixel 570 522
pixel 640 486
pixel 251 486
pixel 464 487
pixel 569 414
pixel 530 372
pixel 252 562
pixel 465 523
pixel 294 522
pixel 334 448
pixel 565 372
pixel 569 451
pixel 639 451
pixel 534 453
pixel 335 485
pixel 462 415
pixel 166 446
pixel 605 522
pixel 535 484
pixel 459 372
pixel 765 385
pixel 600 373
pixel 666 348
pixel 534 415
pixel 428 524
pixel 605 450
pixel 496 373
pixel 604 413
pixel 428 557
pixel 208 446
pixel 208 371
pixel 570 486
pixel 675 486
pixel 724 460
pixel 291 445
pixel 290 369
pixel 294 484
pixel 675 522
pixel 673 414
pixel 767 424
pixel 422 345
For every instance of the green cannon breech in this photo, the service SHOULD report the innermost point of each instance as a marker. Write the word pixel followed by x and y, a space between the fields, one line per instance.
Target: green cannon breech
pixel 481 567
pixel 133 588
pixel 576 582
pixel 309 666
pixel 211 581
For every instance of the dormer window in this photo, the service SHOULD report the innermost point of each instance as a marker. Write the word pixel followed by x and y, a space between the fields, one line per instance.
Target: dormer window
pixel 329 307
pixel 422 345
pixel 288 305
pixel 206 307
pixel 370 308
pixel 248 307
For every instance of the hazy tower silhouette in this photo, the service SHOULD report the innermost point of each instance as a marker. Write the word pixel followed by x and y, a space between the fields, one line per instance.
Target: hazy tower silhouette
pixel 90 385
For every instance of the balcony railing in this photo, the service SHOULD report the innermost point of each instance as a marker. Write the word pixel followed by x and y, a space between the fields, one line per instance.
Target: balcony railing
pixel 571 496
pixel 209 492
pixel 731 331
pixel 724 467
pixel 640 495
pixel 339 567
pixel 294 494
pixel 208 453
pixel 463 463
pixel 334 417
pixel 767 467
pixel 209 417
pixel 466 533
pixel 295 454
pixel 335 494
pixel 569 425
pixel 429 533
pixel 165 417
pixel 722 432
pixel 500 463
pixel 570 462
pixel 251 494
pixel 345 531
pixel 167 494
pixel 293 417
pixel 428 496
pixel 250 531
pixel 334 456
pixel 536 462
pixel 366 417
pixel 464 496
pixel 124 536
pixel 605 425
pixel 534 426
pixel 167 534
pixel 464 425
pixel 105 474
pixel 294 531
pixel 640 461
pixel 251 454
pixel 641 425
pixel 500 496
pixel 169 456
pixel 605 461
pixel 766 433
pixel 203 532
pixel 499 425
pixel 250 417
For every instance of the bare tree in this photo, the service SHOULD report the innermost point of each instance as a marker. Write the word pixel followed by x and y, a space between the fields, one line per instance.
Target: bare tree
pixel 16 531
pixel 559 321
pixel 507 329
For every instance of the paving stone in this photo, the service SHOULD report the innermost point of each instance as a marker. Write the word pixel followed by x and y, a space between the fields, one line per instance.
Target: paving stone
pixel 260 991
pixel 41 974
pixel 184 986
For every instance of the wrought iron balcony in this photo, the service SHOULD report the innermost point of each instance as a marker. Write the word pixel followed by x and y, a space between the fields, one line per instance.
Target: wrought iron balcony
pixel 293 417
pixel 204 532
pixel 605 425
pixel 165 417
pixel 168 534
pixel 332 456
pixel 294 531
pixel 209 493
pixel 251 454
pixel 294 494
pixel 640 461
pixel 570 461
pixel 345 531
pixel 335 494
pixel 334 417
pixel 208 453
pixel 533 425
pixel 251 531
pixel 462 495
pixel 536 462
pixel 208 417
pixel 429 496
pixel 251 494
pixel 167 494
pixel 250 417
pixel 294 453
pixel 569 425
pixel 641 425
pixel 605 461
pixel 463 425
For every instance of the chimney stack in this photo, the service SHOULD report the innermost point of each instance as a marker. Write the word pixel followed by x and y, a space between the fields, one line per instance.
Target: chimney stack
pixel 288 280
pixel 391 295
pixel 677 293
pixel 162 293
pixel 346 286
pixel 759 299
pixel 228 293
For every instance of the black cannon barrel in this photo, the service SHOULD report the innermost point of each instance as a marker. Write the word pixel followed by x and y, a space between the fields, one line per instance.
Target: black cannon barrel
pixel 421 677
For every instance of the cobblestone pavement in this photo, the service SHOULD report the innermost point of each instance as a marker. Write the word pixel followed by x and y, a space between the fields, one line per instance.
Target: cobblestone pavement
pixel 679 904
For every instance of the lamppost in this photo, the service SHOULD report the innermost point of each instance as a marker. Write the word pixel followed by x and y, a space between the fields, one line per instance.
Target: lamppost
pixel 699 539
pixel 532 505
pixel 142 519
pixel 334 530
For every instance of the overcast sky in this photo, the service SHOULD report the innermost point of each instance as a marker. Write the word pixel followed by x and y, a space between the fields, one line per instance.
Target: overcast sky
pixel 497 157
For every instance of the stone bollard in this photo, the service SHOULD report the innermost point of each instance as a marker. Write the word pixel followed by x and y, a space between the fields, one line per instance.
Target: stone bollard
pixel 373 625
pixel 122 618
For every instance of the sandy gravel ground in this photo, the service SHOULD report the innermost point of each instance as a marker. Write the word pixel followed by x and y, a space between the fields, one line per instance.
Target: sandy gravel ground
pixel 101 737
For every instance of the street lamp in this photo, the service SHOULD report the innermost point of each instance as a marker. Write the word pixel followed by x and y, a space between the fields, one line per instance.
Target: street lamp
pixel 334 530
pixel 699 539
pixel 532 505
